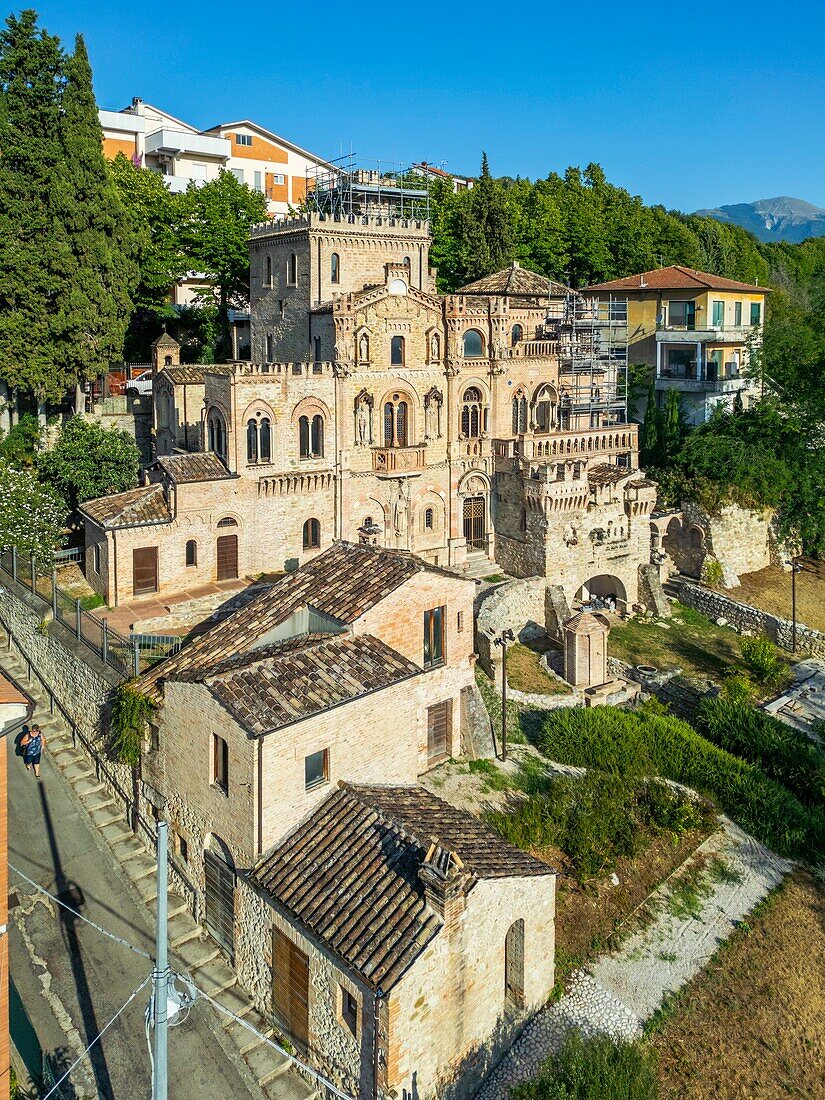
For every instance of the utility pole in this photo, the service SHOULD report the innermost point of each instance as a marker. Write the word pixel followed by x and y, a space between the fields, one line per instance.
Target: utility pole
pixel 161 975
pixel 506 636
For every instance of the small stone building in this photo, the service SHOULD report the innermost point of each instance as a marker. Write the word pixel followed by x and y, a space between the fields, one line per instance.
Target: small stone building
pixel 387 906
pixel 585 650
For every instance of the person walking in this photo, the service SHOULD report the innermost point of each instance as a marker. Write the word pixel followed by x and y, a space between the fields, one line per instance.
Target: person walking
pixel 32 743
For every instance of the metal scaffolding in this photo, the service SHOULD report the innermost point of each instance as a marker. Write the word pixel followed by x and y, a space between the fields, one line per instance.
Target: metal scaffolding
pixel 342 188
pixel 592 343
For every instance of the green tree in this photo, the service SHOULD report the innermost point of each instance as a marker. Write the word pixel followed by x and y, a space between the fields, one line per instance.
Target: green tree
pixel 20 446
pixel 94 298
pixel 32 515
pixel 671 427
pixel 650 442
pixel 215 236
pixel 35 258
pixel 89 461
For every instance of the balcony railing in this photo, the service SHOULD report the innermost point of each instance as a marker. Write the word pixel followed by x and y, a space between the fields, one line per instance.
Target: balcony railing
pixel 398 461
pixel 533 349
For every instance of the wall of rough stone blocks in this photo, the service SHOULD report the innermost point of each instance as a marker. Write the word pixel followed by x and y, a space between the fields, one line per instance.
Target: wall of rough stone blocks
pixel 452 1022
pixel 744 617
pixel 518 605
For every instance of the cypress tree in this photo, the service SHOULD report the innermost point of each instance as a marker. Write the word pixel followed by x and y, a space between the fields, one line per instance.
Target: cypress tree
pixel 34 257
pixel 491 213
pixel 671 427
pixel 94 302
pixel 650 441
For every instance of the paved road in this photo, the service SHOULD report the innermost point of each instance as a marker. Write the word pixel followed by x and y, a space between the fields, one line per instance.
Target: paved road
pixel 71 979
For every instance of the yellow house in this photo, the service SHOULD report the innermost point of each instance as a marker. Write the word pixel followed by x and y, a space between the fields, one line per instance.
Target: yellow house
pixel 694 330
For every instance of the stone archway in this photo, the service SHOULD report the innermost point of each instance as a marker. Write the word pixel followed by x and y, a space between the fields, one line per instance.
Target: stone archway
pixel 603 589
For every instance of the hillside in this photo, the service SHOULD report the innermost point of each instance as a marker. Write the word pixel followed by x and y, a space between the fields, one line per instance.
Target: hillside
pixel 780 219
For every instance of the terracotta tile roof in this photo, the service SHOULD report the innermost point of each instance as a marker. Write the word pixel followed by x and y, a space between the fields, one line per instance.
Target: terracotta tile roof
pixel 515 281
pixel 284 683
pixel 9 693
pixel 134 508
pixel 196 466
pixel 676 278
pixel 350 873
pixel 194 374
pixel 343 583
pixel 586 623
pixel 607 474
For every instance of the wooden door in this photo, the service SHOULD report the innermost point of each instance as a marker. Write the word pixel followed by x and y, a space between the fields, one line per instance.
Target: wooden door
pixel 144 570
pixel 290 987
pixel 474 522
pixel 220 900
pixel 227 557
pixel 514 965
pixel 439 728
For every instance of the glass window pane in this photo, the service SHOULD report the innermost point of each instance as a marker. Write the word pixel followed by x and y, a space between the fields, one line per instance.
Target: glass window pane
pixel 315 769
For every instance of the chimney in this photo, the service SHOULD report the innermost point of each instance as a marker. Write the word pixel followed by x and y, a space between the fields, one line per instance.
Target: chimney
pixel 445 883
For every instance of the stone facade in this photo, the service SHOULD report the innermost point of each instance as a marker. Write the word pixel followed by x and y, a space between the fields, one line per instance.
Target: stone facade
pixel 455 426
pixel 741 540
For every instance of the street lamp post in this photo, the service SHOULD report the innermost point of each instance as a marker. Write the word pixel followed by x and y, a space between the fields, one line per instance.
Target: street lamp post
pixel 505 637
pixel 796 567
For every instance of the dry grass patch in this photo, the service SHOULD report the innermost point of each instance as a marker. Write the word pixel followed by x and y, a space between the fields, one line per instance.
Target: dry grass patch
pixel 752 1024
pixel 770 590
pixel 525 673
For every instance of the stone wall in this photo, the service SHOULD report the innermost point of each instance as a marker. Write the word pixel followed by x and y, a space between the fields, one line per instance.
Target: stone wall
pixel 518 605
pixel 741 540
pixel 72 673
pixel 746 618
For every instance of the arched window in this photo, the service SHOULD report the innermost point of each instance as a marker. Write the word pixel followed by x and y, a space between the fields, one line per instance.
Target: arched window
pixel 516 334
pixel 335 268
pixel 312 534
pixel 167 360
pixel 269 347
pixel 471 413
pixel 227 521
pixel 407 262
pixel 191 552
pixel 251 441
pixel 367 521
pixel 545 410
pixel 317 436
pixel 316 349
pixel 268 272
pixel 217 434
pixel 397 351
pixel 265 440
pixel 473 344
pixel 429 519
pixel 292 269
pixel 311 436
pixel 519 414
pixel 396 422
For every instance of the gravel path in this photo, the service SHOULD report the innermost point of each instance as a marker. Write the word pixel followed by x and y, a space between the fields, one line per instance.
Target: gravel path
pixel 619 992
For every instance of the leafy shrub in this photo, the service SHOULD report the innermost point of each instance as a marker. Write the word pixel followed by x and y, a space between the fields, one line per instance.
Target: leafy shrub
pixel 737 688
pixel 596 1068
pixel 595 818
pixel 635 743
pixel 131 709
pixel 782 753
pixel 761 658
pixel 713 572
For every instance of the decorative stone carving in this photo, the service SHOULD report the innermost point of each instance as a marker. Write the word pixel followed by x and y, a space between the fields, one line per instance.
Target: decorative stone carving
pixel 433 402
pixel 363 419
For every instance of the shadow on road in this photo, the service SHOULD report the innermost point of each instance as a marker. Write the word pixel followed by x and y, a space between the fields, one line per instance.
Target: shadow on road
pixel 72 894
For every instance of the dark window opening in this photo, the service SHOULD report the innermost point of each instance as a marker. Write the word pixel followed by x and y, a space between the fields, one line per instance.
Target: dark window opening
pixel 335 268
pixel 473 344
pixel 397 351
pixel 316 769
pixel 433 637
pixel 312 534
pixel 191 552
pixel 220 763
pixel 349 1011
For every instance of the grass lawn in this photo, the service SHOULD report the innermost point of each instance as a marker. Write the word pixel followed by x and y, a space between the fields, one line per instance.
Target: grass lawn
pixel 695 644
pixel 524 673
pixel 752 1024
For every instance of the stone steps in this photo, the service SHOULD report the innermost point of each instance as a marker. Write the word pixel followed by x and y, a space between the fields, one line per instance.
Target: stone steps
pixel 265 1068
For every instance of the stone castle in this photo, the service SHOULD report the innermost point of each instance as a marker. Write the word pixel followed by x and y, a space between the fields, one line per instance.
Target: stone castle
pixel 484 426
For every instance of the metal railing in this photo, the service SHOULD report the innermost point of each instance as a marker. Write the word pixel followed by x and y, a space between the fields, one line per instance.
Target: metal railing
pixel 128 656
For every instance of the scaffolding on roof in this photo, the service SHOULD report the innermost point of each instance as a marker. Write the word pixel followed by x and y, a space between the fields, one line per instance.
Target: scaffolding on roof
pixel 342 188
pixel 592 343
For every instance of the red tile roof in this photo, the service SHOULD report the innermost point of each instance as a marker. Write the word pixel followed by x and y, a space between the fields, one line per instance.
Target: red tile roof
pixel 9 693
pixel 134 508
pixel 676 278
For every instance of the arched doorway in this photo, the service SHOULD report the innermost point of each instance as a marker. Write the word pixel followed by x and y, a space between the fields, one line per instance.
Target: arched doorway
pixel 603 591
pixel 219 874
pixel 474 522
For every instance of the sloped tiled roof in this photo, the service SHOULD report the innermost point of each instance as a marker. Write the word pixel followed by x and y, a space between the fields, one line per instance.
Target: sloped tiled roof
pixel 350 873
pixel 194 374
pixel 165 341
pixel 9 693
pixel 344 582
pixel 676 277
pixel 195 466
pixel 586 623
pixel 515 282
pixel 134 508
pixel 290 681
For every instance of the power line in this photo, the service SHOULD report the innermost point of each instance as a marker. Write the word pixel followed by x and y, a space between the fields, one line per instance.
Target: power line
pixel 99 1035
pixel 270 1042
pixel 74 912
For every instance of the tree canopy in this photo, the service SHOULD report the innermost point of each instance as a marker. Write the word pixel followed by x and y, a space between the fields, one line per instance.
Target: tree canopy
pixel 89 461
pixel 31 514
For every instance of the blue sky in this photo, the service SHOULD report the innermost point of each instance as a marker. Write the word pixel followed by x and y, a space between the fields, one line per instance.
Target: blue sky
pixel 690 105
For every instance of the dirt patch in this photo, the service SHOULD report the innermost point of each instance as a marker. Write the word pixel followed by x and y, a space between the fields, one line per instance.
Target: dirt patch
pixel 598 916
pixel 752 1024
pixel 525 673
pixel 770 590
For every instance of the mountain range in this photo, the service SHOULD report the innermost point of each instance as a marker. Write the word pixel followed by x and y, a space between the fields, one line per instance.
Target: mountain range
pixel 780 219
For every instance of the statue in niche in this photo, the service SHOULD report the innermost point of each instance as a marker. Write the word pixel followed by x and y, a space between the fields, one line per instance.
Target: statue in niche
pixel 435 348
pixel 363 419
pixel 400 511
pixel 364 348
pixel 432 414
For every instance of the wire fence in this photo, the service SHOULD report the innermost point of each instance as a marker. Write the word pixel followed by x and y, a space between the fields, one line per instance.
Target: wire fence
pixel 127 655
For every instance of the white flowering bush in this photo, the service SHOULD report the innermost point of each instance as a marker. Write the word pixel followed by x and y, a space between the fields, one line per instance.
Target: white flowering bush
pixel 31 514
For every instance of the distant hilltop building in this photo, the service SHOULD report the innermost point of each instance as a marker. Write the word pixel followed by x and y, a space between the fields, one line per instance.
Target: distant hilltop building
pixel 695 331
